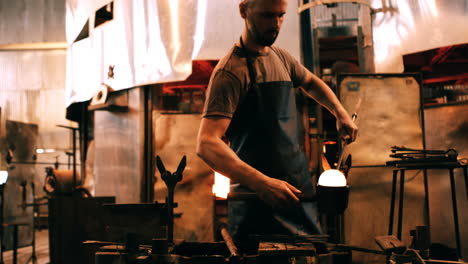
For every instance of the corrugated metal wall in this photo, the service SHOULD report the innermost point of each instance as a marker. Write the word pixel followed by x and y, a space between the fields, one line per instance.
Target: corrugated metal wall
pixel 32 83
pixel 118 155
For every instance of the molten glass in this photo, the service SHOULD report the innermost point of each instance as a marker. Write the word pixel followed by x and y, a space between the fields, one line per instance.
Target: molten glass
pixel 332 178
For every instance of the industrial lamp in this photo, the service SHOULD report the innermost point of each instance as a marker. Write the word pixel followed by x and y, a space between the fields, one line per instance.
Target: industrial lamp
pixel 332 192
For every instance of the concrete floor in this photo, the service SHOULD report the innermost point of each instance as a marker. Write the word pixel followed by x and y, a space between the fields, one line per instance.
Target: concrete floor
pixel 24 254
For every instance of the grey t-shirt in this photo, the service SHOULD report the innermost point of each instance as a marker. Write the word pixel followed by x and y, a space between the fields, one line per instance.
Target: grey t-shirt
pixel 230 79
pixel 263 133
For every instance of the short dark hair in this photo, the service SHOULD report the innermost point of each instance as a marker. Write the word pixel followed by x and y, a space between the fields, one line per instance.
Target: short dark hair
pixel 248 3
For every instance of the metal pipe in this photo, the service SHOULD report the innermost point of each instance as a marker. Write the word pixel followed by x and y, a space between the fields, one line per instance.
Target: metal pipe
pixel 229 241
pixel 253 196
pixel 38 163
pixel 400 207
pixel 170 215
pixel 444 261
pixel 74 159
pixel 426 199
pixel 392 202
pixel 34 46
pixel 369 166
pixel 455 212
pixel 367 250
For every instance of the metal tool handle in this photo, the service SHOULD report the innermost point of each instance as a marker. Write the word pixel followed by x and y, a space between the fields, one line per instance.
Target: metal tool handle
pixel 340 158
pixel 241 196
pixel 229 241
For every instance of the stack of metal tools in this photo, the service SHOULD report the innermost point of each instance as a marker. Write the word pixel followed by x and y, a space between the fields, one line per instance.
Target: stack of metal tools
pixel 410 156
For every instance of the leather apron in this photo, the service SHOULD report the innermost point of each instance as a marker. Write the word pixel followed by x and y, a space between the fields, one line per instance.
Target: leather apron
pixel 264 134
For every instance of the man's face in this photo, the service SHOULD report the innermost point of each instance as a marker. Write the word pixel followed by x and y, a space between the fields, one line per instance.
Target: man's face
pixel 264 19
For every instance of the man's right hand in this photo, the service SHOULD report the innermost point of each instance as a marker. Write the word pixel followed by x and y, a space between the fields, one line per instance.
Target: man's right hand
pixel 216 153
pixel 277 193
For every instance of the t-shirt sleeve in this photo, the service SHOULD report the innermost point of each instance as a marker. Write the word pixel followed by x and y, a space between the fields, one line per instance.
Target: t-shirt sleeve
pixel 297 71
pixel 222 95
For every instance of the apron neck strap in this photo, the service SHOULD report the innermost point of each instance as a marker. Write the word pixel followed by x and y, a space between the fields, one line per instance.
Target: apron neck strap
pixel 249 60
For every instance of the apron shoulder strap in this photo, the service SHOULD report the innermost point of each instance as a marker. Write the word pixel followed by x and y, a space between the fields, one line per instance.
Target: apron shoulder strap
pixel 281 57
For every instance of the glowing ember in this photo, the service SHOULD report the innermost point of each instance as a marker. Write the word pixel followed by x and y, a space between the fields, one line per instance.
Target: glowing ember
pixel 221 185
pixel 332 178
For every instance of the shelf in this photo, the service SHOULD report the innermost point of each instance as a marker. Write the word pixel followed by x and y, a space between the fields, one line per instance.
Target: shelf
pixel 445 78
pixel 445 104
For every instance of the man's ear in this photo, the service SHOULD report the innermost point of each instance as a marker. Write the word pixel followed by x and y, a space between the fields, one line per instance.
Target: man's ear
pixel 243 9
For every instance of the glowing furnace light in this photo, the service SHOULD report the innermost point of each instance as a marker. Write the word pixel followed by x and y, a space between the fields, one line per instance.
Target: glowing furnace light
pixel 332 178
pixel 221 185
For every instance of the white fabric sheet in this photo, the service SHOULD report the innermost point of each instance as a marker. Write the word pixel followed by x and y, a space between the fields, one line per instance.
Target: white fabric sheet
pixel 409 26
pixel 153 41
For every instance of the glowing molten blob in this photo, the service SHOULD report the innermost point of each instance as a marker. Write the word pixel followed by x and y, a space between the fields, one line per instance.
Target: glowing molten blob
pixel 221 185
pixel 332 178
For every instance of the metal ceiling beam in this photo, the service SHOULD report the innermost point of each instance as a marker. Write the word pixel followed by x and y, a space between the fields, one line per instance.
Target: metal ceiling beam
pixel 34 46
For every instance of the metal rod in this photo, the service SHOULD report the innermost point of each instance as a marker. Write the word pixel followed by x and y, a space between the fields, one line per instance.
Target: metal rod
pixel 33 257
pixel 34 46
pixel 340 158
pixel 38 163
pixel 1 221
pixel 15 244
pixel 392 203
pixel 353 117
pixel 74 158
pixel 253 196
pixel 367 250
pixel 400 208
pixel 170 212
pixel 426 199
pixel 455 212
pixel 369 166
pixel 229 241
pixel 443 261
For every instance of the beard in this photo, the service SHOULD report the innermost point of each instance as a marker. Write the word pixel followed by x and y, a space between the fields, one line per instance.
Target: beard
pixel 262 38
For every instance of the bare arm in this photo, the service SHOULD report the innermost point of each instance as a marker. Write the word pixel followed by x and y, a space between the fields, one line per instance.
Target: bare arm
pixel 322 93
pixel 217 154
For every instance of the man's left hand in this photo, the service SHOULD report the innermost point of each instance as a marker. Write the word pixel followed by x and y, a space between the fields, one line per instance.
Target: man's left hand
pixel 347 129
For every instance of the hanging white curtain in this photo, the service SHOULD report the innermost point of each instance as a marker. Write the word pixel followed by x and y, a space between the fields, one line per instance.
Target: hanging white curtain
pixel 408 26
pixel 153 41
pixel 145 42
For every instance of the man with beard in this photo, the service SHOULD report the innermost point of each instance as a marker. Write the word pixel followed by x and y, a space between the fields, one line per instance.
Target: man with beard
pixel 249 129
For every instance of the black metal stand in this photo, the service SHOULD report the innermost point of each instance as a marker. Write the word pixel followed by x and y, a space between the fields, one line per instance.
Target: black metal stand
pixel 1 223
pixel 15 239
pixel 401 168
pixel 33 258
pixel 171 180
